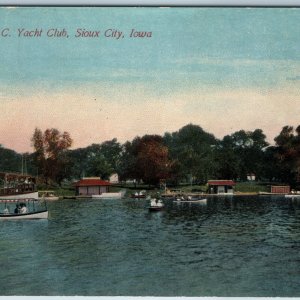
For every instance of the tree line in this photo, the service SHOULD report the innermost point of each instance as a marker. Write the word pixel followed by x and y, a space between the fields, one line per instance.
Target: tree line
pixel 188 155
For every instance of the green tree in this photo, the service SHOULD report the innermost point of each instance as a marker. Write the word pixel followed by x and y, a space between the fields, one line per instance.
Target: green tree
pixel 97 159
pixel 193 150
pixel 287 154
pixel 51 153
pixel 79 162
pixel 242 153
pixel 10 161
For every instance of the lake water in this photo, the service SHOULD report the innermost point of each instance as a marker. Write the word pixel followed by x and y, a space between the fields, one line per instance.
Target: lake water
pixel 238 246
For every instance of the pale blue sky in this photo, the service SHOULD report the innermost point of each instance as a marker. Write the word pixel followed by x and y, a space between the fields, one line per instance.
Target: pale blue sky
pixel 212 62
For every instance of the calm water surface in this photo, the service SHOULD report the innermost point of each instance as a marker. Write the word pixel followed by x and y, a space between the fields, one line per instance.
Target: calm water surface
pixel 239 246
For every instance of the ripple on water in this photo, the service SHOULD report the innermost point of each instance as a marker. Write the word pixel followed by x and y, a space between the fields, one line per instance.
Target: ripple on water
pixel 239 246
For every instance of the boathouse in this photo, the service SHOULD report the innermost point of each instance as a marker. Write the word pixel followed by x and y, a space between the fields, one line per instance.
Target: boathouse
pixel 220 186
pixel 280 189
pixel 91 186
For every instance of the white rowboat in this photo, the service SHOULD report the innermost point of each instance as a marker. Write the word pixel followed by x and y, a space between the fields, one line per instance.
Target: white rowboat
pixel 203 201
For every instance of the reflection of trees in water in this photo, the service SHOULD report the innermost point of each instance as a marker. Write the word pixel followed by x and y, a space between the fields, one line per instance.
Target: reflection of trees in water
pixel 294 206
pixel 189 215
pixel 226 209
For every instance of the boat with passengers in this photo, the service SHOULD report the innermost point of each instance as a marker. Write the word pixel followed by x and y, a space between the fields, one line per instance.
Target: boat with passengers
pixel 190 199
pixel 156 205
pixel 17 209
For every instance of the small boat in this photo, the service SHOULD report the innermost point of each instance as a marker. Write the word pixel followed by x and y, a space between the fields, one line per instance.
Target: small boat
pixel 141 194
pixel 156 205
pixel 190 200
pixel 25 209
pixel 48 195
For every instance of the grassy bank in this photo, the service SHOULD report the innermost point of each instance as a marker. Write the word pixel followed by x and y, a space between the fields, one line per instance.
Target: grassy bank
pixel 59 191
pixel 251 187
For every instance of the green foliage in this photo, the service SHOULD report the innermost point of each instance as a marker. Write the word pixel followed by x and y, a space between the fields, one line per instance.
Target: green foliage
pixel 241 153
pixel 10 161
pixel 51 153
pixel 189 155
pixel 287 154
pixel 100 160
pixel 193 150
pixel 251 187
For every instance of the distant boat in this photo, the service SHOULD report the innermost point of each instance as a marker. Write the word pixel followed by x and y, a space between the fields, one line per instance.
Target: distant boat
pixel 48 195
pixel 156 205
pixel 29 209
pixel 141 194
pixel 190 200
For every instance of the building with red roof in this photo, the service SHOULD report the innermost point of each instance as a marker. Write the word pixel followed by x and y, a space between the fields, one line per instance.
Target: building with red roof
pixel 220 186
pixel 91 186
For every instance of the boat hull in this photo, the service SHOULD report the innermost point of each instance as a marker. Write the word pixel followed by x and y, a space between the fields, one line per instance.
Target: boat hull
pixel 49 198
pixel 203 201
pixel 31 195
pixel 28 216
pixel 155 208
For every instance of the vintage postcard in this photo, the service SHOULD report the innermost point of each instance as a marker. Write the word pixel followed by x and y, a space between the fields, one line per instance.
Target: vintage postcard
pixel 150 151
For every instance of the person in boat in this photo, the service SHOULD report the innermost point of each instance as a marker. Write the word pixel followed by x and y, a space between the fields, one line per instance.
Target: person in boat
pixel 17 209
pixel 159 203
pixel 6 211
pixel 23 209
pixel 153 202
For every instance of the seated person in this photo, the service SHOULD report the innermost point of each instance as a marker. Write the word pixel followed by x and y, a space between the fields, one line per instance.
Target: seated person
pixel 6 211
pixel 17 209
pixel 23 209
pixel 153 202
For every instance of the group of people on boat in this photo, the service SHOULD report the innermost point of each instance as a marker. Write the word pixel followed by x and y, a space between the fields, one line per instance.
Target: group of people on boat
pixel 182 198
pixel 20 209
pixel 156 203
